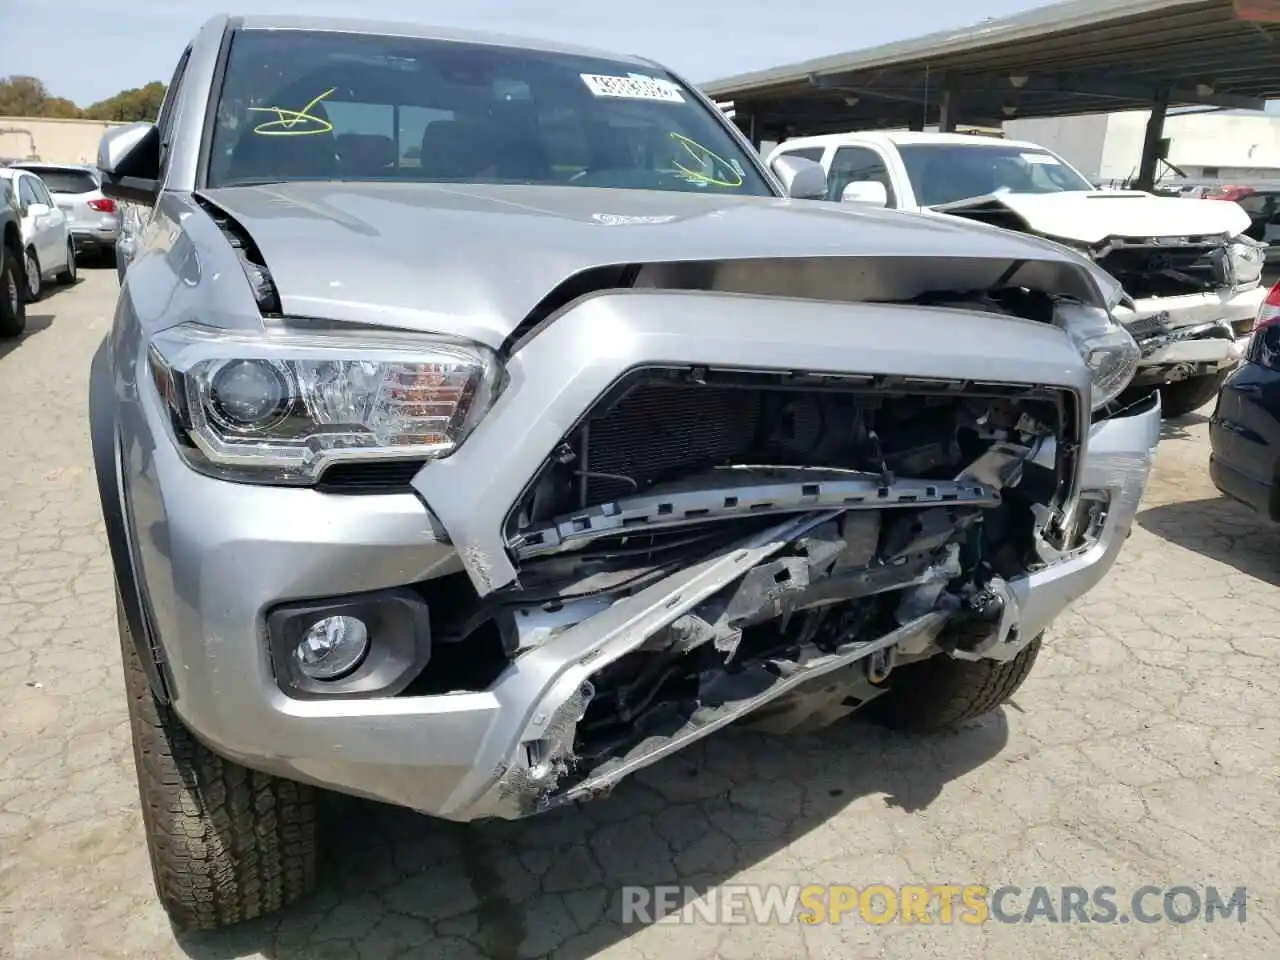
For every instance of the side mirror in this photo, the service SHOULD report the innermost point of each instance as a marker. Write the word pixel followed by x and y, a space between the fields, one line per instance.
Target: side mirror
pixel 37 209
pixel 801 179
pixel 129 161
pixel 869 193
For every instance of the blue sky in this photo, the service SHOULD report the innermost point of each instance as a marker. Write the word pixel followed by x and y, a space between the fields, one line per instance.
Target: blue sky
pixel 87 50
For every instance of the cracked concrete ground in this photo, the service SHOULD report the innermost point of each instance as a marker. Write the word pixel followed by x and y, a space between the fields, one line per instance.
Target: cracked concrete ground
pixel 1145 749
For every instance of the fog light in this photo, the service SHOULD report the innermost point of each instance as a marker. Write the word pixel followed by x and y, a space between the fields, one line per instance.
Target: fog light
pixel 332 647
pixel 362 645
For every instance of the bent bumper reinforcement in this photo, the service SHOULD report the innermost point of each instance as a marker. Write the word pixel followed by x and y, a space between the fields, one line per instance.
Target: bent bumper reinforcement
pixel 920 631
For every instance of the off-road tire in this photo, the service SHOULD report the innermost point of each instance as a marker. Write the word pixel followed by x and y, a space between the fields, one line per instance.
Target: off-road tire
pixel 226 843
pixel 67 276
pixel 1186 396
pixel 942 693
pixel 13 310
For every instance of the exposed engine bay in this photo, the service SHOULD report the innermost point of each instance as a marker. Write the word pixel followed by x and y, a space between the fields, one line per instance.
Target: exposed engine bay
pixel 677 458
pixel 1168 266
pixel 910 505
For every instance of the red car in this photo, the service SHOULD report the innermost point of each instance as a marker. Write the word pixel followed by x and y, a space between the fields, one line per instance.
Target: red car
pixel 1261 202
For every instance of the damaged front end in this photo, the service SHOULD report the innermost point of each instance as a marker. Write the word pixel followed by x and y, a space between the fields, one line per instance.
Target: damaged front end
pixel 714 544
pixel 1193 301
pixel 1189 301
pixel 1173 354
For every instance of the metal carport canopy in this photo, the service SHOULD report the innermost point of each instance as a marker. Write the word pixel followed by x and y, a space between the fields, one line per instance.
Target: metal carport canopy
pixel 1081 56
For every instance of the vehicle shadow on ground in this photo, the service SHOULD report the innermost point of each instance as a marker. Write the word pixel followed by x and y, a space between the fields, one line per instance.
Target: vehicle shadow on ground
pixel 36 323
pixel 1221 529
pixel 1180 428
pixel 395 884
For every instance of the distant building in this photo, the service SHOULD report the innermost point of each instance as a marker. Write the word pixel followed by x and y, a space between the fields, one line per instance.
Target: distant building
pixel 1220 145
pixel 54 141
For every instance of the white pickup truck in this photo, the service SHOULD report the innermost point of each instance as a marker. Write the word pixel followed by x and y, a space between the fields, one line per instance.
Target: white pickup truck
pixel 1193 277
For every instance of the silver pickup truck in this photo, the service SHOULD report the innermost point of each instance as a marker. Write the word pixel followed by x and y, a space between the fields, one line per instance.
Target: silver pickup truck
pixel 482 422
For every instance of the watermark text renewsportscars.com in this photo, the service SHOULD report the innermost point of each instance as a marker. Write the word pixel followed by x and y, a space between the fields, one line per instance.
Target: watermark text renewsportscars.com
pixel 932 904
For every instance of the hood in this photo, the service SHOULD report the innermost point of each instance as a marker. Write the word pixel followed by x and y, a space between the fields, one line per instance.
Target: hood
pixel 475 260
pixel 1091 217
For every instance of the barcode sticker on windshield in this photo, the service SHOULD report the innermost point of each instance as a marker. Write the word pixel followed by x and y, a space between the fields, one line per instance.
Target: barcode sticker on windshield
pixel 634 87
pixel 1040 158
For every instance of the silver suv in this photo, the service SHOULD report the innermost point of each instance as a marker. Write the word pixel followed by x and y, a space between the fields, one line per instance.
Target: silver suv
pixel 93 218
pixel 483 422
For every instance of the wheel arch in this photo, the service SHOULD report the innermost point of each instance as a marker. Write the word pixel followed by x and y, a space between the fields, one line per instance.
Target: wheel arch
pixel 13 237
pixel 106 451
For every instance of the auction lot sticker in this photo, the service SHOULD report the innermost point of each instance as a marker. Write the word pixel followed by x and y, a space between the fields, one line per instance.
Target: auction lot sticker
pixel 633 87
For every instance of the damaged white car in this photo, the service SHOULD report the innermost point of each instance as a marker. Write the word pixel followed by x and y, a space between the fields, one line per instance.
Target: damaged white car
pixel 1192 276
pixel 474 464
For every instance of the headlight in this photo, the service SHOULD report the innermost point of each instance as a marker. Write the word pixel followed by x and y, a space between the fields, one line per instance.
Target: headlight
pixel 1247 256
pixel 1109 351
pixel 281 406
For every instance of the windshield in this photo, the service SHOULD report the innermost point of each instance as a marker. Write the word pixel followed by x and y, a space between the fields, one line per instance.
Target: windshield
pixel 60 180
pixel 299 105
pixel 945 172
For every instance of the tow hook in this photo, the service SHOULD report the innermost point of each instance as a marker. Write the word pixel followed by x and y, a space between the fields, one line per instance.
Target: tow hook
pixel 880 664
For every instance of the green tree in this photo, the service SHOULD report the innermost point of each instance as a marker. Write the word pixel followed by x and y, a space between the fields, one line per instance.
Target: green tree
pixel 139 103
pixel 28 97
pixel 61 108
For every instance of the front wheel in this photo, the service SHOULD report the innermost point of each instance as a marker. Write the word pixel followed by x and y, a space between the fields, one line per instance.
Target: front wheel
pixel 941 693
pixel 35 280
pixel 67 276
pixel 1185 396
pixel 13 306
pixel 227 844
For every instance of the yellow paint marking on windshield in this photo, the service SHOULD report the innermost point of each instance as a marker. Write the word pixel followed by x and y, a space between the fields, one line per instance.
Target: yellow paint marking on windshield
pixel 700 155
pixel 293 123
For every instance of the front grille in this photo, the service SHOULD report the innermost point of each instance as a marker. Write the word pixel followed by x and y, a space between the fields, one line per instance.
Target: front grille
pixel 1152 328
pixel 659 431
pixel 661 426
pixel 1159 271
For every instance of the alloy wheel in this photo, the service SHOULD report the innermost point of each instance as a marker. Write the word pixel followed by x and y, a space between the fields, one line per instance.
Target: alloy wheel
pixel 33 277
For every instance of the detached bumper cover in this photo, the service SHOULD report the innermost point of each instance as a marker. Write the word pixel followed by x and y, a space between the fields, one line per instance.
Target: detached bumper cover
pixel 1196 309
pixel 220 554
pixel 1117 466
pixel 1192 335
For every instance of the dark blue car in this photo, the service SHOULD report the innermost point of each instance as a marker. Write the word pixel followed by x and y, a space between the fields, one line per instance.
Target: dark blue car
pixel 1245 432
